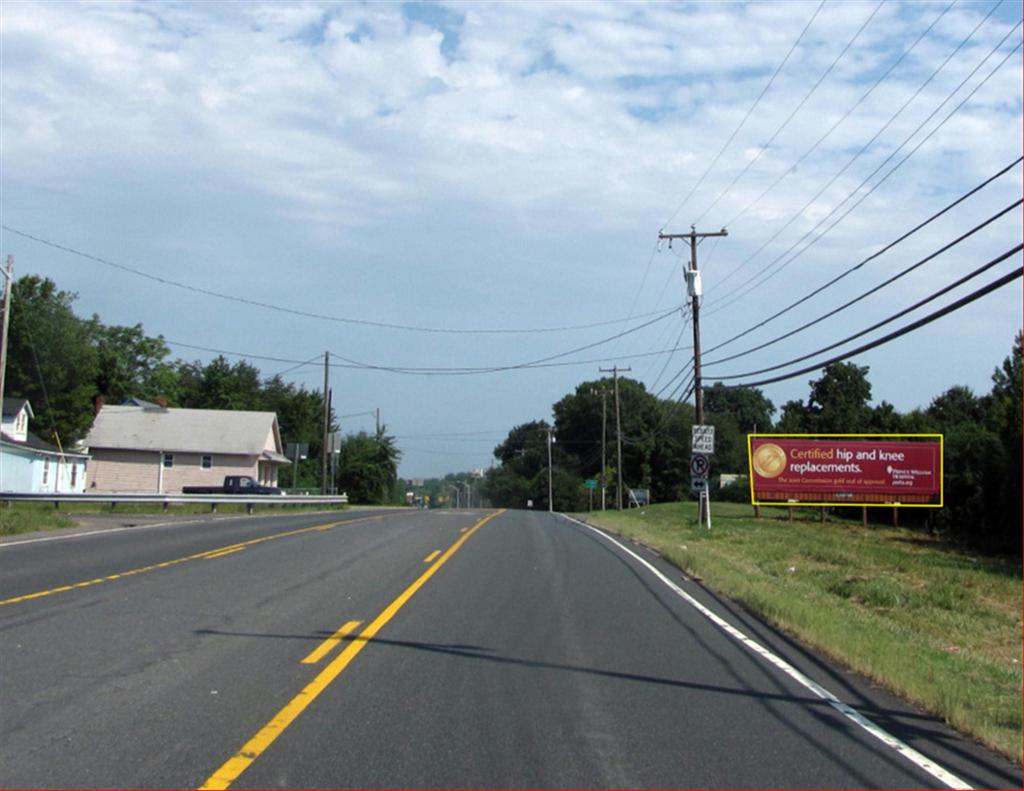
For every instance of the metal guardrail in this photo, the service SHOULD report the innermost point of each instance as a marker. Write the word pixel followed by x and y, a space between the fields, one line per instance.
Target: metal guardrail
pixel 167 500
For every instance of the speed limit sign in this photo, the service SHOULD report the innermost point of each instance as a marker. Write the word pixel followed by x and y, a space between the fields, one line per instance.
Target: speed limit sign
pixel 699 465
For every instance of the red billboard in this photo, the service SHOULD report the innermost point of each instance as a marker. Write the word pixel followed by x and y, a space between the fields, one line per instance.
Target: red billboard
pixel 835 470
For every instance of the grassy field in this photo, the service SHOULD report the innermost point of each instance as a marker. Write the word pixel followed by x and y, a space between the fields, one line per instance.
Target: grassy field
pixel 939 627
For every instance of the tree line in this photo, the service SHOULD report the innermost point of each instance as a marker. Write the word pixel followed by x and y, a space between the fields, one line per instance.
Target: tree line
pixel 982 435
pixel 66 365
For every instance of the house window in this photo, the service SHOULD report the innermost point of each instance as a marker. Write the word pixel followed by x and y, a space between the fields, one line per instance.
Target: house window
pixel 74 474
pixel 206 463
pixel 46 471
pixel 168 460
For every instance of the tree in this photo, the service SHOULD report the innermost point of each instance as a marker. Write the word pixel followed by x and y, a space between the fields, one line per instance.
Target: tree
pixel 749 407
pixel 1005 420
pixel 735 412
pixel 839 401
pixel 368 467
pixel 131 364
pixel 220 385
pixel 51 360
pixel 957 405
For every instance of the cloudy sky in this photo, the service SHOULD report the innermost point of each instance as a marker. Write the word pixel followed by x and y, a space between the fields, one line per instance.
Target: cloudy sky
pixel 473 186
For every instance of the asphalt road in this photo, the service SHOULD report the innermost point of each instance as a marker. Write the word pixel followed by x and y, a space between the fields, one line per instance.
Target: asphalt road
pixel 422 649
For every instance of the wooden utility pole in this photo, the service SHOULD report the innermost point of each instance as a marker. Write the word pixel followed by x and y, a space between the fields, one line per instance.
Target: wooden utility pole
pixel 327 423
pixel 8 274
pixel 551 504
pixel 604 444
pixel 693 286
pixel 614 371
pixel 695 290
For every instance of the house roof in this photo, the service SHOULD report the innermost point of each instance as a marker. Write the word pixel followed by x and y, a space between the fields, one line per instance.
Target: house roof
pixel 12 406
pixel 183 430
pixel 32 442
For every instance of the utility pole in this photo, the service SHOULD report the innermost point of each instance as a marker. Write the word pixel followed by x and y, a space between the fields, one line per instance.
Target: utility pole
pixel 614 371
pixel 604 425
pixel 693 286
pixel 551 505
pixel 8 274
pixel 327 422
pixel 378 421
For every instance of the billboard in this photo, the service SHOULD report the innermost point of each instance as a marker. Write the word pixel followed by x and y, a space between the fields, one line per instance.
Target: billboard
pixel 854 469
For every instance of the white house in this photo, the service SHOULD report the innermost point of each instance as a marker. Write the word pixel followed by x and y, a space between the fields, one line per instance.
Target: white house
pixel 30 465
pixel 151 448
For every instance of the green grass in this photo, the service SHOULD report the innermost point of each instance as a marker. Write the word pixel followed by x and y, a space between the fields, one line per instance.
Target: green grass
pixel 30 517
pixel 939 627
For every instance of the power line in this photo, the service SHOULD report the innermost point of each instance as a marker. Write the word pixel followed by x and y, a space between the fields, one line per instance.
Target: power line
pixel 885 75
pixel 930 298
pixel 766 274
pixel 461 371
pixel 954 306
pixel 857 299
pixel 746 117
pixel 861 152
pixel 792 114
pixel 450 371
pixel 309 314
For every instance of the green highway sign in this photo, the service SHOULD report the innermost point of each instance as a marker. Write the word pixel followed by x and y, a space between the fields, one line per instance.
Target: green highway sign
pixel 590 483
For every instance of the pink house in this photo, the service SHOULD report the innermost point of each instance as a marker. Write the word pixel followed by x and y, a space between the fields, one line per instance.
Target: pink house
pixel 155 449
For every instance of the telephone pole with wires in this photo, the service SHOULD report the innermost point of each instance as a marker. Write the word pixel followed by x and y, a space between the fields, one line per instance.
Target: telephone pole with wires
pixel 614 371
pixel 693 286
pixel 8 273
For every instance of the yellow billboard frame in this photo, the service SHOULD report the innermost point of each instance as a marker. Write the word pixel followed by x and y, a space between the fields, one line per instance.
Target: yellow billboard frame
pixel 787 504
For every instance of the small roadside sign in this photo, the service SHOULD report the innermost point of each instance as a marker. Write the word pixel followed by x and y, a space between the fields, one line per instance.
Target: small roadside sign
pixel 698 484
pixel 702 439
pixel 699 465
pixel 590 483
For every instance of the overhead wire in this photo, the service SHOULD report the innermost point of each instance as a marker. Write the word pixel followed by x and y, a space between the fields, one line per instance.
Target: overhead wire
pixel 310 314
pixel 934 316
pixel 766 274
pixel 746 117
pixel 884 76
pixel 761 149
pixel 865 261
pixel 863 149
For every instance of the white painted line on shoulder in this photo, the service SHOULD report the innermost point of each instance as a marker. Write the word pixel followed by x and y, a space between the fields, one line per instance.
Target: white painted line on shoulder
pixel 944 776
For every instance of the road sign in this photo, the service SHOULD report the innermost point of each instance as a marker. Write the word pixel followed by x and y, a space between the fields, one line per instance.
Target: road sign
pixel 702 439
pixel 590 483
pixel 698 484
pixel 699 465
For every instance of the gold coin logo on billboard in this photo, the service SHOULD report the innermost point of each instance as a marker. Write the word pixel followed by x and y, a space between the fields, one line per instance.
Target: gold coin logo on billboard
pixel 769 460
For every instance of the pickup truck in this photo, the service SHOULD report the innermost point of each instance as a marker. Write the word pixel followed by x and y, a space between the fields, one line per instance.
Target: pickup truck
pixel 234 484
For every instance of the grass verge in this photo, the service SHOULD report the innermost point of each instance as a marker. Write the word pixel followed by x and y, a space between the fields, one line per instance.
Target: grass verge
pixel 30 517
pixel 938 627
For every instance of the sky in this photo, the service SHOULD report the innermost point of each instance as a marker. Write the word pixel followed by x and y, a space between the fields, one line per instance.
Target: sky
pixel 430 191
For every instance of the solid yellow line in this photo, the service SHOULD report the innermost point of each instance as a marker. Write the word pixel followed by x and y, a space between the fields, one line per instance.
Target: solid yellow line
pixel 238 763
pixel 328 645
pixel 431 557
pixel 167 563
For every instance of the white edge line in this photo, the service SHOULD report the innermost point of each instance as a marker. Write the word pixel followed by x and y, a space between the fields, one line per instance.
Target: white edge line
pixel 939 773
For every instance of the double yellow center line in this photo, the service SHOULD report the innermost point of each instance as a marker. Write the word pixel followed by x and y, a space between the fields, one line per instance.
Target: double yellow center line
pixel 252 749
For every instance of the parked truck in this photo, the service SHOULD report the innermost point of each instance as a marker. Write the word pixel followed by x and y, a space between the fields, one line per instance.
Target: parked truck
pixel 234 484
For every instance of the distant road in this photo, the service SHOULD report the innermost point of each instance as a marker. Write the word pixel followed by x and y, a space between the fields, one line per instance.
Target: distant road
pixel 422 649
